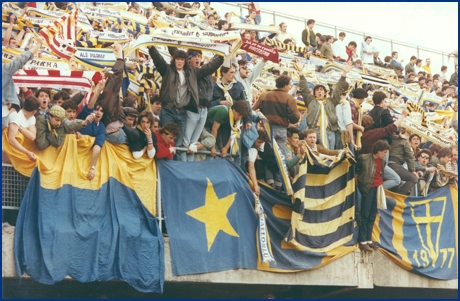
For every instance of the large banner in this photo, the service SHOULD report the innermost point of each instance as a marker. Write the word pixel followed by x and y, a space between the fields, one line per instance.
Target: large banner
pixel 209 216
pixel 420 234
pixel 95 230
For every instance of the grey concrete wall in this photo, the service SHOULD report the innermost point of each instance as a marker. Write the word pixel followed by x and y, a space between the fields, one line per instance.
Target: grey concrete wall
pixel 360 270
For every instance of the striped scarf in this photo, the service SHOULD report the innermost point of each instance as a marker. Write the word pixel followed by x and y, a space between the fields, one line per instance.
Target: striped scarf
pixel 274 43
pixel 235 132
pixel 78 80
pixel 323 122
pixel 359 134
pixel 227 95
pixel 61 35
pixel 145 84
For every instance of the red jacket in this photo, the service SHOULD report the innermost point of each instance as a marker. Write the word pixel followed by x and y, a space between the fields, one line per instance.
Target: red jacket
pixel 369 137
pixel 163 148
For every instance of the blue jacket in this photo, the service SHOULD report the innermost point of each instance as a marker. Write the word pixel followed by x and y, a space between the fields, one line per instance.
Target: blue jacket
pixel 92 129
pixel 8 69
pixel 236 92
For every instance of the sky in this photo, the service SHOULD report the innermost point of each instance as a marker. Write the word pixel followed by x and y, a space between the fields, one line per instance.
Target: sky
pixel 426 24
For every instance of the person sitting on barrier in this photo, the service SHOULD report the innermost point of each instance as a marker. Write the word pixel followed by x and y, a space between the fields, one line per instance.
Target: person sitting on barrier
pixel 140 137
pixel 400 153
pixel 370 171
pixel 262 163
pixel 51 128
pixel 311 137
pixel 223 123
pixel 371 136
pixel 24 123
pixel 423 169
pixel 165 141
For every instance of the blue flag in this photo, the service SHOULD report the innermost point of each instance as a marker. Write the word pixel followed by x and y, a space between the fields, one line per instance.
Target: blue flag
pixel 420 233
pixel 95 230
pixel 209 214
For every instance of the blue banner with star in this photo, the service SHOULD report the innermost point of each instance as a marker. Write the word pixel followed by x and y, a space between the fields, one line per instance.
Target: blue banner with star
pixel 209 215
pixel 420 233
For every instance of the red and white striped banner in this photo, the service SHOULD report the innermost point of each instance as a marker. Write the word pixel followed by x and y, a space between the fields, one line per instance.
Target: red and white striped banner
pixel 61 35
pixel 57 79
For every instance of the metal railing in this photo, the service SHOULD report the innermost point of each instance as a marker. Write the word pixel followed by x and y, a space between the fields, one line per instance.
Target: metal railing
pixel 13 187
pixel 385 45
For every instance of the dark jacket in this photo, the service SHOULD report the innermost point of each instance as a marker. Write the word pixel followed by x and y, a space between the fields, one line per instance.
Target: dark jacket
pixel 309 37
pixel 279 107
pixel 205 89
pixel 373 135
pixel 137 139
pixel 381 117
pixel 170 77
pixel 110 97
pixel 236 92
pixel 46 137
pixel 366 171
pixel 378 62
pixel 401 152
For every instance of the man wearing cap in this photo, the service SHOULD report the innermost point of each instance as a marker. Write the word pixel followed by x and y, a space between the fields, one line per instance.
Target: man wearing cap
pixel 321 109
pixel 357 97
pixel 51 130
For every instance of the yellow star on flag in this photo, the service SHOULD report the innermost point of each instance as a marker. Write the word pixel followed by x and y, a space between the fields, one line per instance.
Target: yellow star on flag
pixel 214 214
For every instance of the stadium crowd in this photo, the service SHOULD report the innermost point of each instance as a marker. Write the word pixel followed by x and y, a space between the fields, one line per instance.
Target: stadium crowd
pixel 210 103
